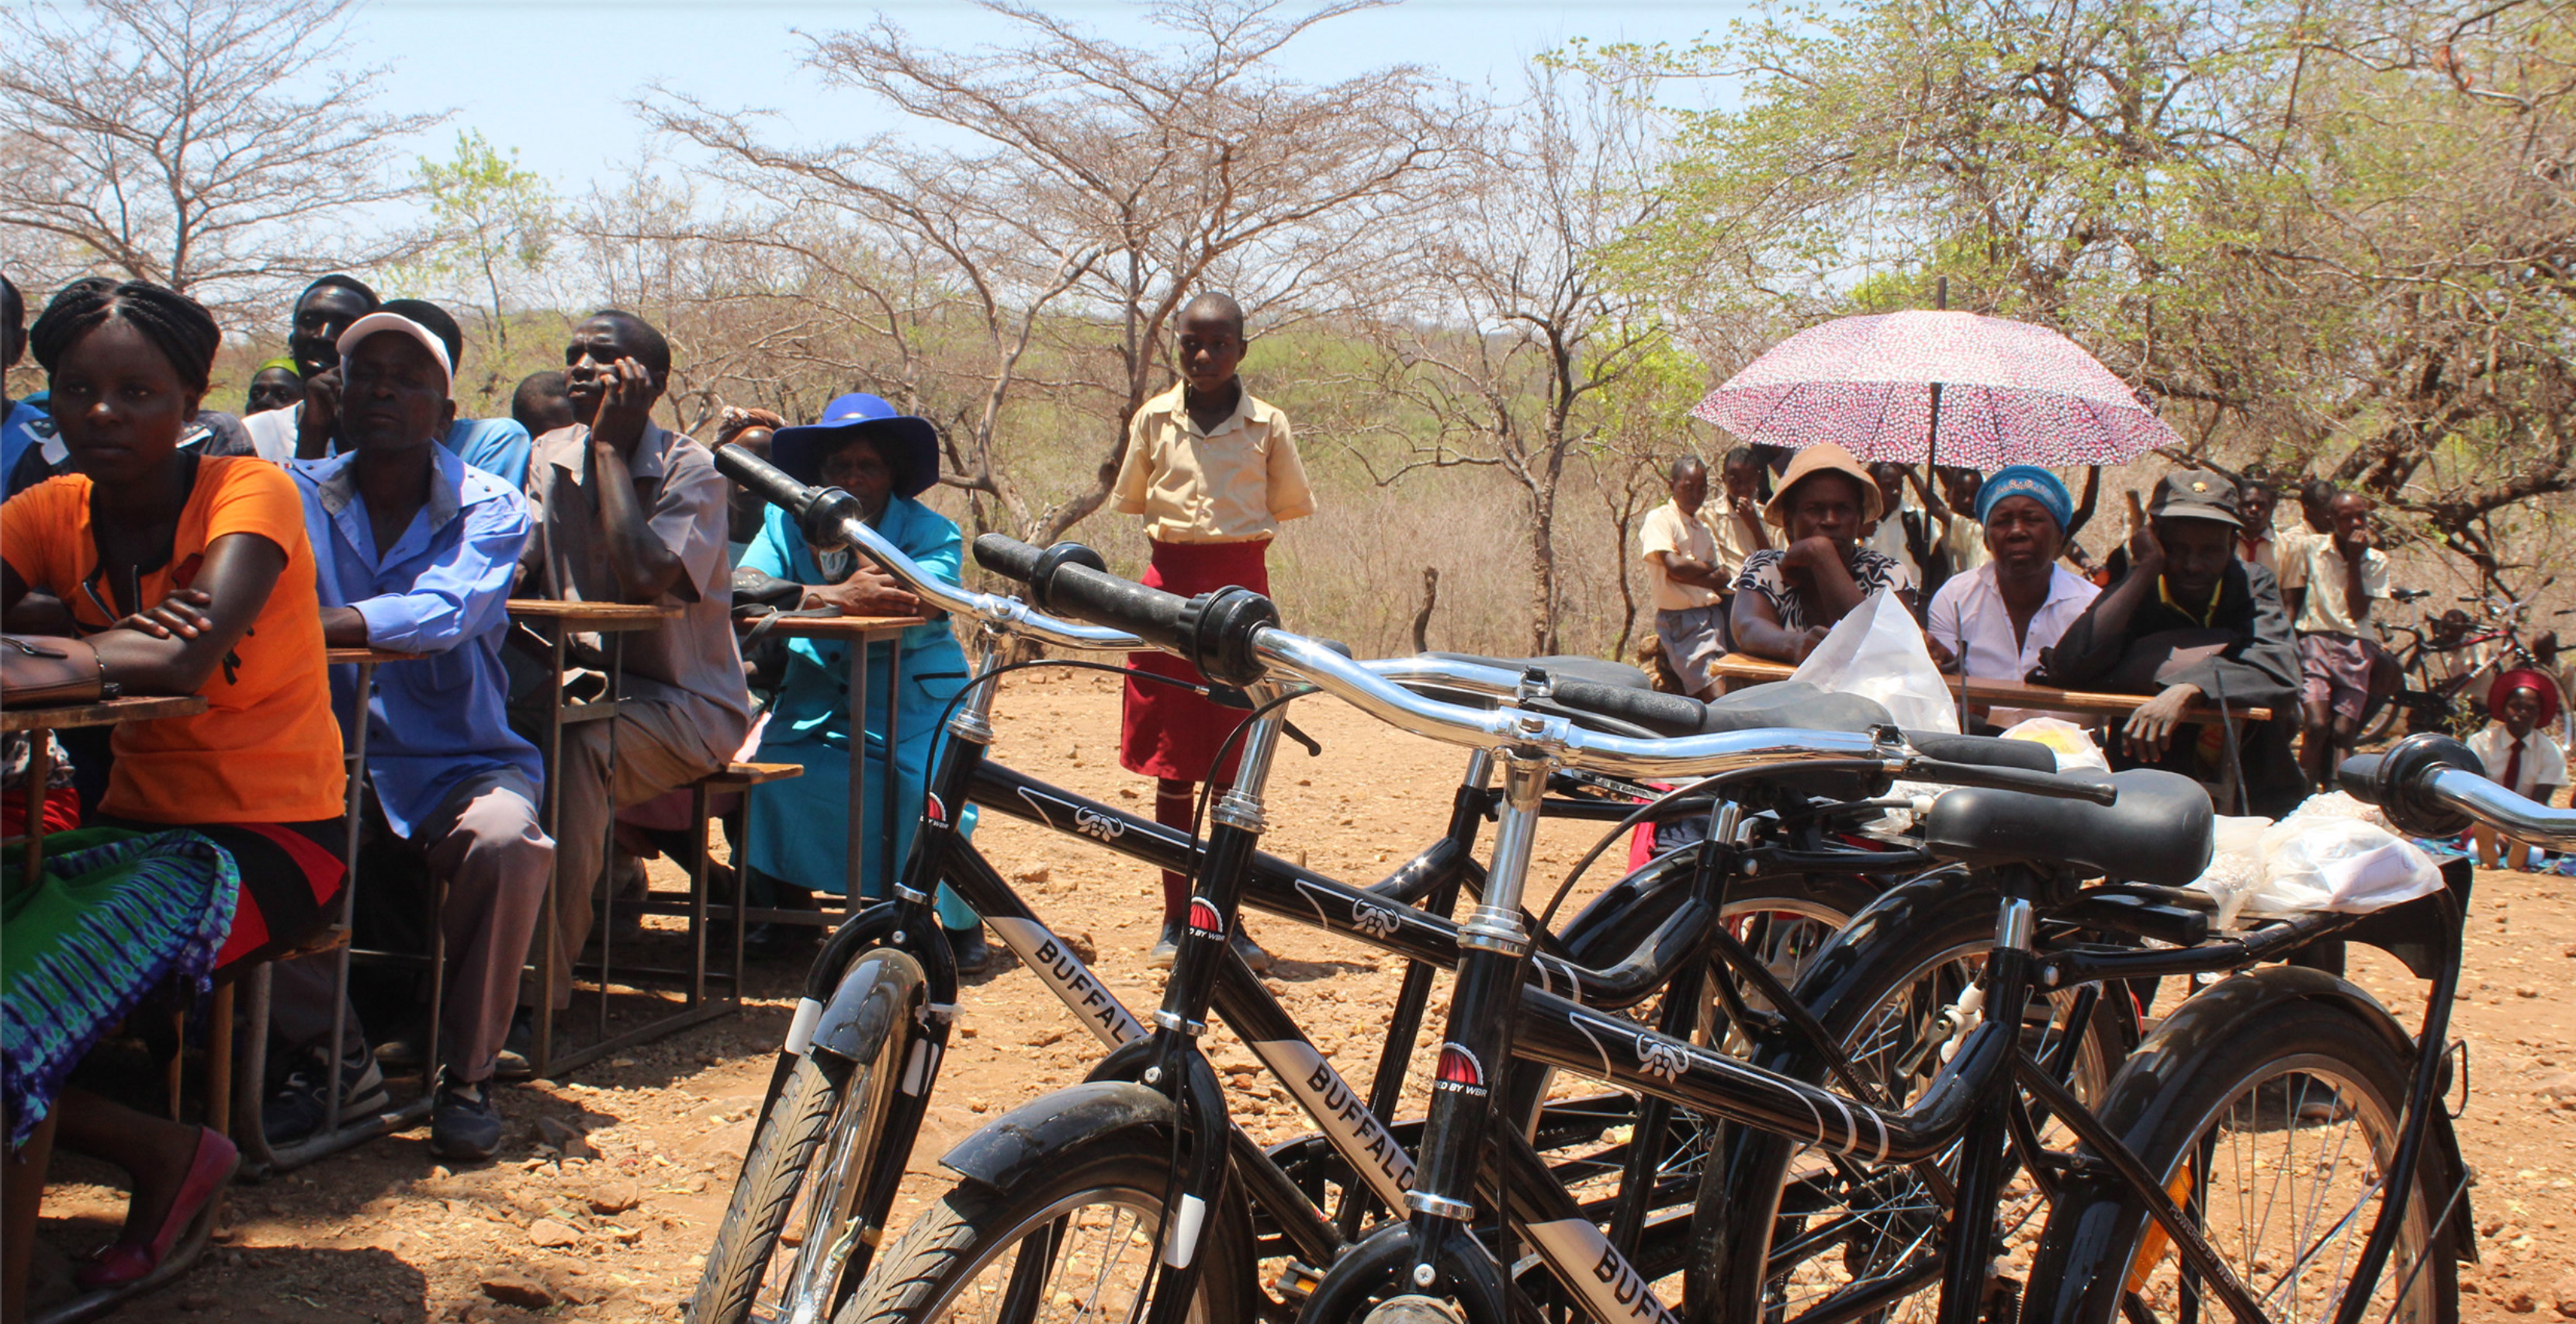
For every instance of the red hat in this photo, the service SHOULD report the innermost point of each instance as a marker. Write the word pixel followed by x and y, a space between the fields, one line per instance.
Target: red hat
pixel 2524 678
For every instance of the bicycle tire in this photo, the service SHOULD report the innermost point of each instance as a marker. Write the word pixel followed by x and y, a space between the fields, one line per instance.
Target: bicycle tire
pixel 773 1173
pixel 828 1097
pixel 967 1230
pixel 1739 1216
pixel 2163 1115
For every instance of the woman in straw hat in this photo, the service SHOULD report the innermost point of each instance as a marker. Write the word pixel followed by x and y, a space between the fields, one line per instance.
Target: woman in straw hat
pixel 1786 600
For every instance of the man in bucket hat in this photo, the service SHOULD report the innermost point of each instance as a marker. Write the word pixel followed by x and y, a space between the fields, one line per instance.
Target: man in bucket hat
pixel 2185 620
pixel 886 459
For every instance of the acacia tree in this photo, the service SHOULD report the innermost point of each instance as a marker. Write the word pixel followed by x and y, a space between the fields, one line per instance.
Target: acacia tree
pixel 490 221
pixel 1521 333
pixel 2331 240
pixel 197 143
pixel 1103 185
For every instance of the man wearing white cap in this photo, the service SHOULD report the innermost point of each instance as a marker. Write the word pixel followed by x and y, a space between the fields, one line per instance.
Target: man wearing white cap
pixel 415 550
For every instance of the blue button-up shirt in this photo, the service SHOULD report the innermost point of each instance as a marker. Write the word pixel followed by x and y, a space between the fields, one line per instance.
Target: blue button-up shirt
pixel 497 446
pixel 442 590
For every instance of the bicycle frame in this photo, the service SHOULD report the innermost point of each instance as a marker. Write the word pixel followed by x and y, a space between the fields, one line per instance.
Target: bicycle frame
pixel 1374 916
pixel 1970 1098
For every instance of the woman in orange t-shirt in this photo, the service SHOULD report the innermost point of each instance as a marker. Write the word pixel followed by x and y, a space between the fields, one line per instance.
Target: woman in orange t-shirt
pixel 185 574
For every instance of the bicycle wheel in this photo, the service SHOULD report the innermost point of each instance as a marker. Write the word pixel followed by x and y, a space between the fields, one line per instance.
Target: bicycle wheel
pixel 1782 1225
pixel 2274 1135
pixel 1075 1244
pixel 782 1187
pixel 1784 920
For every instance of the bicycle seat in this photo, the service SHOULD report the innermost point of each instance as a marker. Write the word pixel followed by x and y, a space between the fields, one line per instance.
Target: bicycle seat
pixel 2157 833
pixel 1593 669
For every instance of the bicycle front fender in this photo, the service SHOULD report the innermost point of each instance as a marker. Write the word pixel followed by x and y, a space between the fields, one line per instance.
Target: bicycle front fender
pixel 1038 1133
pixel 877 995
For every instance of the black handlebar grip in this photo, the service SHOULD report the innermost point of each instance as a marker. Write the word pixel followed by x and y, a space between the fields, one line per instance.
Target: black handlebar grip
pixel 1005 556
pixel 2058 785
pixel 1102 598
pixel 765 480
pixel 2400 782
pixel 1663 714
pixel 1985 751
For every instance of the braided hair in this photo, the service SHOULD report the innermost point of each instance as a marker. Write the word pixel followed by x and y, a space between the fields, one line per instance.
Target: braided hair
pixel 180 327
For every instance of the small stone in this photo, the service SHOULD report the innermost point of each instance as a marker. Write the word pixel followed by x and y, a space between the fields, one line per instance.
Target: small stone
pixel 548 1232
pixel 967 1031
pixel 2526 991
pixel 566 1137
pixel 2562 1294
pixel 1037 875
pixel 518 1289
pixel 199 1301
pixel 1082 946
pixel 1127 793
pixel 2519 1302
pixel 616 1197
pixel 2556 1085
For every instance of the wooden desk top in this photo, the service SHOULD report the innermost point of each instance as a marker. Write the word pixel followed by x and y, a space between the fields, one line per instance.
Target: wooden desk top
pixel 2003 693
pixel 593 616
pixel 339 656
pixel 106 713
pixel 843 627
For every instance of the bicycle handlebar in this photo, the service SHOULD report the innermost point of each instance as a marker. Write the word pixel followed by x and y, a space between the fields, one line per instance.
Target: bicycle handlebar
pixel 2431 786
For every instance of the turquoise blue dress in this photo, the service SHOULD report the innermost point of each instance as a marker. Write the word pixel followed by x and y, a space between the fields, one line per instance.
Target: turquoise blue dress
pixel 799 827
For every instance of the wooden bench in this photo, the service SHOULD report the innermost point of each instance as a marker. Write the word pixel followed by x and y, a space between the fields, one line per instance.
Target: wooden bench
pixel 1737 671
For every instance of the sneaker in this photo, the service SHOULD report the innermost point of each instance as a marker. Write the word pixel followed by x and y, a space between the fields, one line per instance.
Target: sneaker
pixel 513 1062
pixel 463 1124
pixel 1167 948
pixel 974 955
pixel 299 1106
pixel 1250 951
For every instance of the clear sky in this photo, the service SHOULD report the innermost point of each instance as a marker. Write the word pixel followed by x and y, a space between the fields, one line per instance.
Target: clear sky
pixel 553 78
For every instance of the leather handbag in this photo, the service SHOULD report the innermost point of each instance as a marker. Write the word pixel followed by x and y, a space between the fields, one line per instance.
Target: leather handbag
pixel 37 670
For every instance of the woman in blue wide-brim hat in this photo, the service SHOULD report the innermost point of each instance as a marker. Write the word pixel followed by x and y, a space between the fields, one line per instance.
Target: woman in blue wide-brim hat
pixel 799 827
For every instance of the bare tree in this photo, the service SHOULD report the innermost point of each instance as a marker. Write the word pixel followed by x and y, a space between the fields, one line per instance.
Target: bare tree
pixel 198 143
pixel 1525 335
pixel 1106 184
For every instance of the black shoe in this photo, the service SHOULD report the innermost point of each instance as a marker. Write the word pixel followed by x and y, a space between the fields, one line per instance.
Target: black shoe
pixel 974 955
pixel 463 1124
pixel 514 1062
pixel 1166 949
pixel 299 1106
pixel 1250 951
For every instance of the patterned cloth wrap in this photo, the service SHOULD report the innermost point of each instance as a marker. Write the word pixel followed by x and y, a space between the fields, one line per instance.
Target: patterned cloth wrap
pixel 116 915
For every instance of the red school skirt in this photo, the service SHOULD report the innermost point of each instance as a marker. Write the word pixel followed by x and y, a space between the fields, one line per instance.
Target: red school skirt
pixel 1167 731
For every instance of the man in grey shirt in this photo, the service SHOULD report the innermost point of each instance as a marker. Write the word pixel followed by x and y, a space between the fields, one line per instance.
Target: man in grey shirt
pixel 631 512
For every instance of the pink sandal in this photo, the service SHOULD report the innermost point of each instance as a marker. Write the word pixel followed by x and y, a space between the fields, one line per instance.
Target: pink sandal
pixel 191 1220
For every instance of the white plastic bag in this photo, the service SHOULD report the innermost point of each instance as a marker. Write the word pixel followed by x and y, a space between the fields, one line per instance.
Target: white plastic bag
pixel 2235 864
pixel 2072 744
pixel 2328 862
pixel 1877 653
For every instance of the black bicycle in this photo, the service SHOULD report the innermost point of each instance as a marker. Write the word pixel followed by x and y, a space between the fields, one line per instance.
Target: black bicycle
pixel 861 1057
pixel 1876 1197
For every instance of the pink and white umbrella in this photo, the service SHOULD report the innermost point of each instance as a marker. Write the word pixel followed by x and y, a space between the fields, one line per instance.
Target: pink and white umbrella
pixel 2007 393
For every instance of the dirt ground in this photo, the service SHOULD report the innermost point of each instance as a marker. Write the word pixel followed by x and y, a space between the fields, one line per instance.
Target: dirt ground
pixel 387 1233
